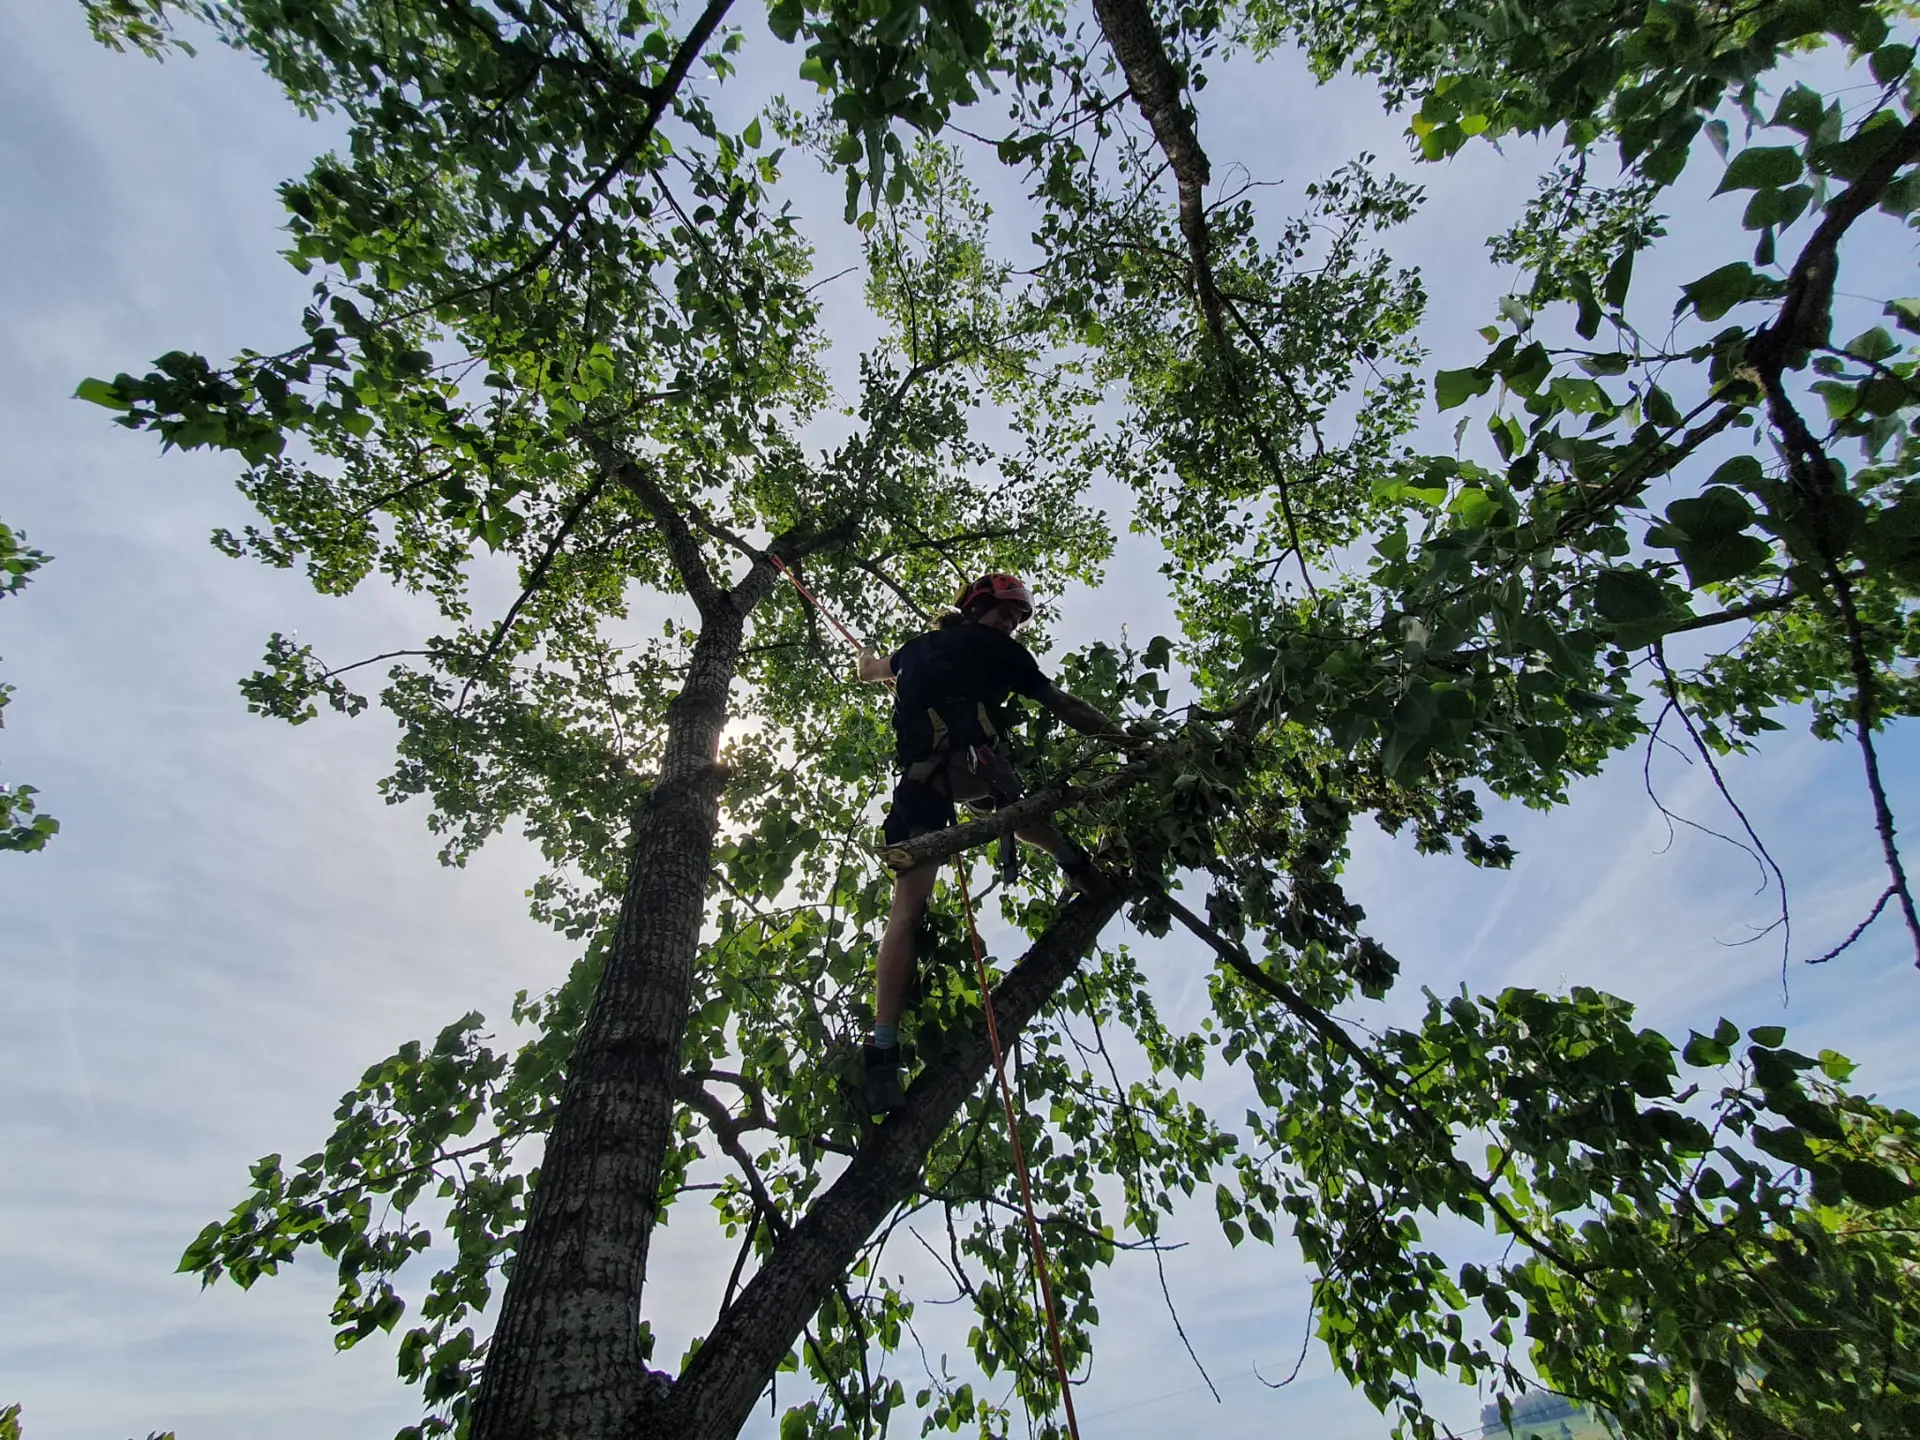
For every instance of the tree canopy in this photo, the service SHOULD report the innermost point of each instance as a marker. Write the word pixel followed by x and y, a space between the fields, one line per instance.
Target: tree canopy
pixel 564 320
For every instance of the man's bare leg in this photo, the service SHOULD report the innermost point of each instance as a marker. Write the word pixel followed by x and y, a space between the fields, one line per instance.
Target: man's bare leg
pixel 1073 861
pixel 911 890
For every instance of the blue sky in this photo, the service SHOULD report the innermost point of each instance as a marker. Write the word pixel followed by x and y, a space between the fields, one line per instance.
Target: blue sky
pixel 231 923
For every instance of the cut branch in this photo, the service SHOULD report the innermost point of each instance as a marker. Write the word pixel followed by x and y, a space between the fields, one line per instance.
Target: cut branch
pixel 1042 804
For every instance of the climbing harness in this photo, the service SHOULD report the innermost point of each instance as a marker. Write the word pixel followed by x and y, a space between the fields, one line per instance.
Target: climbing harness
pixel 1019 1154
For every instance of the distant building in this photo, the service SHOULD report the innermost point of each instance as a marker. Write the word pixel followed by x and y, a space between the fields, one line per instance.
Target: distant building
pixel 1536 1407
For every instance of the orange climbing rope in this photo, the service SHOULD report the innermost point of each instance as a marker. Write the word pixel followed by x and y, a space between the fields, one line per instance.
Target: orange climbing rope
pixel 811 599
pixel 1019 1155
pixel 999 1070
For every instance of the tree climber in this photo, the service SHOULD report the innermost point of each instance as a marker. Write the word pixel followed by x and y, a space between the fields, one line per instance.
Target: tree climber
pixel 950 730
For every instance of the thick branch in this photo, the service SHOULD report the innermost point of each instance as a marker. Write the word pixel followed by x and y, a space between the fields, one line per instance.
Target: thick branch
pixel 931 849
pixel 727 1128
pixel 1766 605
pixel 640 482
pixel 1805 314
pixel 717 1391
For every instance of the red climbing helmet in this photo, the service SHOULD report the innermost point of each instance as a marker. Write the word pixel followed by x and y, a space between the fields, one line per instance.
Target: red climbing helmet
pixel 997 589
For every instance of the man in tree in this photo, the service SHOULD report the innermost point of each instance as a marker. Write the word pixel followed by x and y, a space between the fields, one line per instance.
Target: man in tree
pixel 950 725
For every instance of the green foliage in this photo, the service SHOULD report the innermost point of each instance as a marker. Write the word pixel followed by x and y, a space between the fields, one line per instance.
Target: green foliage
pixel 21 829
pixel 563 327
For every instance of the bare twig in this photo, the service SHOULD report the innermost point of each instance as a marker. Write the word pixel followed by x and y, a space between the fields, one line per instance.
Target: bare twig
pixel 1858 930
pixel 1133 1144
pixel 1646 779
pixel 1785 922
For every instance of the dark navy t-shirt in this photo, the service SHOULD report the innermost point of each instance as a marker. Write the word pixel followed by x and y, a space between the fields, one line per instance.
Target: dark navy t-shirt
pixel 960 665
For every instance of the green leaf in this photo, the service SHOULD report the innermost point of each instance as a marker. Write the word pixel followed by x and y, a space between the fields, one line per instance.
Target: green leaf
pixel 1742 470
pixel 1456 387
pixel 1619 278
pixel 1771 1036
pixel 1582 397
pixel 100 392
pixel 1905 314
pixel 1776 208
pixel 1707 531
pixel 1627 597
pixel 784 18
pixel 1836 1067
pixel 1873 1186
pixel 1890 62
pixel 1545 744
pixel 1713 294
pixel 1801 109
pixel 1762 167
pixel 1714 514
pixel 1704 1050
pixel 750 137
pixel 1874 344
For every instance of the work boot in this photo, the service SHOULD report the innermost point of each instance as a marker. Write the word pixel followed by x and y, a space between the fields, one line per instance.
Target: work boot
pixel 1009 859
pixel 1082 875
pixel 885 1090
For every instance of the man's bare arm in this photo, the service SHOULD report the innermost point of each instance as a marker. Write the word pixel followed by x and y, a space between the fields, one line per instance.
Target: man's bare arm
pixel 874 668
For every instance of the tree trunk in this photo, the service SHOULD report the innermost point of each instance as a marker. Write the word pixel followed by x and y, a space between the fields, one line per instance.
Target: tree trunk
pixel 564 1362
pixel 713 1398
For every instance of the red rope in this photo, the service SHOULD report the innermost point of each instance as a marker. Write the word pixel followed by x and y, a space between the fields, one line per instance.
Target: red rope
pixel 1019 1156
pixel 832 619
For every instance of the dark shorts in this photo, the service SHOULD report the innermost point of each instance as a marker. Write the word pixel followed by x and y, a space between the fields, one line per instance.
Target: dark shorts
pixel 922 807
pixel 917 810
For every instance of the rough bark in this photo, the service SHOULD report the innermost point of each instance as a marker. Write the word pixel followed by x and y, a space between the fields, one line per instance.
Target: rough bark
pixel 564 1362
pixel 713 1398
pixel 1137 44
